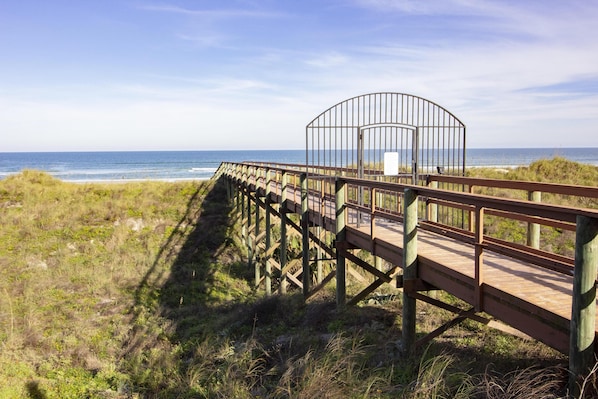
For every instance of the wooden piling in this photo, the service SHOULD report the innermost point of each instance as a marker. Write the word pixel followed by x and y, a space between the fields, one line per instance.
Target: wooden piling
pixel 249 243
pixel 305 236
pixel 583 312
pixel 409 268
pixel 283 234
pixel 256 264
pixel 268 243
pixel 341 215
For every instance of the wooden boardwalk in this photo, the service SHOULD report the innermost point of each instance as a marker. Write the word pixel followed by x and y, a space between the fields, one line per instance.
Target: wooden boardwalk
pixel 528 289
pixel 522 295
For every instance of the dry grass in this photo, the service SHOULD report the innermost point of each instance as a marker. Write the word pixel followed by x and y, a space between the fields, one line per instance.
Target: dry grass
pixel 139 291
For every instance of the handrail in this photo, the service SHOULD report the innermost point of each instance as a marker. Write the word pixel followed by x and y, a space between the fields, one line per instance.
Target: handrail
pixel 559 216
pixel 540 210
pixel 553 188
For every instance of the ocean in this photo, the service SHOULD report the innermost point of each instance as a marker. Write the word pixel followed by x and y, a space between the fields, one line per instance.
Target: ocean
pixel 190 165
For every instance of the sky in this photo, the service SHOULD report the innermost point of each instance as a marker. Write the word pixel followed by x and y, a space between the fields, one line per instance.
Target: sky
pixel 115 75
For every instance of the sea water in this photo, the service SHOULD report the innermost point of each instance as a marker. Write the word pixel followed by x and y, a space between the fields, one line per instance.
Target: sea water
pixel 191 165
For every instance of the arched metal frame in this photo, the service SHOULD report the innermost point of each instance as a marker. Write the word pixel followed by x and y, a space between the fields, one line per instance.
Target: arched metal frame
pixel 354 135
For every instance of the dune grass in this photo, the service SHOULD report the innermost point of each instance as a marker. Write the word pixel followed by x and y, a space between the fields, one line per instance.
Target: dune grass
pixel 139 290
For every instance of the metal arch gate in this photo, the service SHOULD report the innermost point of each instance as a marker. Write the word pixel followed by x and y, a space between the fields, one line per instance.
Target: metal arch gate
pixel 427 137
pixel 355 136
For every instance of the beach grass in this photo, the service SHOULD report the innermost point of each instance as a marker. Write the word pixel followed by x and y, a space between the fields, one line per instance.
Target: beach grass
pixel 141 290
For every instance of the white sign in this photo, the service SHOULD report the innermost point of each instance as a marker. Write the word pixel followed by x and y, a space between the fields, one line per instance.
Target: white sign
pixel 391 163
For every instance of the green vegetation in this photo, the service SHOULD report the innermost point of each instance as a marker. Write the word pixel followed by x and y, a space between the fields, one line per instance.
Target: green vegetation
pixel 140 290
pixel 556 170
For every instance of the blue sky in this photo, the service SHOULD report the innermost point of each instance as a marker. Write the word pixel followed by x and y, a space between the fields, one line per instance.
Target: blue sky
pixel 200 75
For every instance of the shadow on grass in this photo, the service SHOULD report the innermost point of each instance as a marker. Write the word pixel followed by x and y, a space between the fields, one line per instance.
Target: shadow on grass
pixel 199 326
pixel 197 292
pixel 33 390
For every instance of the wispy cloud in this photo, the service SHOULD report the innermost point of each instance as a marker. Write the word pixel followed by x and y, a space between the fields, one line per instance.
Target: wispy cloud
pixel 213 13
pixel 330 60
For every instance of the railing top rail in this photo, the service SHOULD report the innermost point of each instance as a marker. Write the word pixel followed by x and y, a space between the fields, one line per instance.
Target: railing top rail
pixel 549 211
pixel 554 188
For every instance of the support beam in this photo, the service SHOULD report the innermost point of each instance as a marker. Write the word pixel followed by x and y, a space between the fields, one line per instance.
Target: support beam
pixel 249 241
pixel 372 287
pixel 340 188
pixel 257 264
pixel 409 269
pixel 583 312
pixel 267 265
pixel 305 235
pixel 319 254
pixel 283 233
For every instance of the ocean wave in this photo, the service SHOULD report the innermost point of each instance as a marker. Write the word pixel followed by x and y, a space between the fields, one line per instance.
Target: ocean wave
pixel 203 170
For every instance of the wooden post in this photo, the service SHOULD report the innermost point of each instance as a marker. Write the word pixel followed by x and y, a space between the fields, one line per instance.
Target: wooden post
pixel 268 266
pixel 256 265
pixel 378 262
pixel 305 235
pixel 533 229
pixel 479 258
pixel 433 207
pixel 283 233
pixel 471 214
pixel 583 312
pixel 372 214
pixel 319 255
pixel 340 218
pixel 249 243
pixel 409 268
pixel 238 190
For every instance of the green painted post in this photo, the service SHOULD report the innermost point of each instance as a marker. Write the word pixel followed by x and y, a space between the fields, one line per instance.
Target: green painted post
pixel 268 266
pixel 583 310
pixel 378 262
pixel 533 229
pixel 319 256
pixel 256 265
pixel 283 233
pixel 305 235
pixel 409 268
pixel 341 217
pixel 249 243
pixel 243 211
pixel 433 208
pixel 237 190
